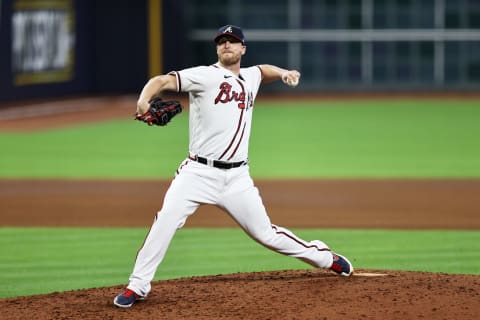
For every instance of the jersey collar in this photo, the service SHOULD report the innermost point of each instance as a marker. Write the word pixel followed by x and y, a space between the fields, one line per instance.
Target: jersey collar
pixel 216 65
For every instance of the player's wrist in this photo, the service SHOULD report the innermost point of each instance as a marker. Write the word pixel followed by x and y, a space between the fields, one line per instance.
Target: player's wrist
pixel 142 106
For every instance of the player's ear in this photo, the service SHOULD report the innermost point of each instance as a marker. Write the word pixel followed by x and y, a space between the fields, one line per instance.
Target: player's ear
pixel 244 50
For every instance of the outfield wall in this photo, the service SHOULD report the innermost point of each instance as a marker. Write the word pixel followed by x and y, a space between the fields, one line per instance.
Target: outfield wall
pixel 72 47
pixel 55 48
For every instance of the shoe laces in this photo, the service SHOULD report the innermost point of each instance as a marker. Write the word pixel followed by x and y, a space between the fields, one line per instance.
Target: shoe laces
pixel 335 265
pixel 129 293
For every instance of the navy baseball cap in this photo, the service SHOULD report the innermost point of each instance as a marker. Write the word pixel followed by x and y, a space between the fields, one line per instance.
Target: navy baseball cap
pixel 232 31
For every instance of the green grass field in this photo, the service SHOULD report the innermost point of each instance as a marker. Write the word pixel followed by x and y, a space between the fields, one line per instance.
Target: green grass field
pixel 42 260
pixel 327 139
pixel 335 139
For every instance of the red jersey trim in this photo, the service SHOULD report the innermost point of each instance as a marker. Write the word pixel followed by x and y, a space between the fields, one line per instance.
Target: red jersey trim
pixel 239 141
pixel 234 136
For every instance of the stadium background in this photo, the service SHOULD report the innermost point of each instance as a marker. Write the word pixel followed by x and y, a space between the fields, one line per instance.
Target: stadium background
pixel 54 48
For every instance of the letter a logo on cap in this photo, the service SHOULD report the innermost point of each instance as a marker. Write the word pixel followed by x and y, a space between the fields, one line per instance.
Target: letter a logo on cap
pixel 230 30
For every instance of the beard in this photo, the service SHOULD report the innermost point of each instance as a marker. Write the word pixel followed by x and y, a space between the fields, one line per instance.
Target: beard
pixel 229 59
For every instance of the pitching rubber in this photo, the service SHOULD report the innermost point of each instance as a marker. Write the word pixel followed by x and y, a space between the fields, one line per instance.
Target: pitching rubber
pixel 369 274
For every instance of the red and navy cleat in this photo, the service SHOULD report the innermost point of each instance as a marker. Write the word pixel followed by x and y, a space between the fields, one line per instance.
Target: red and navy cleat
pixel 341 265
pixel 126 299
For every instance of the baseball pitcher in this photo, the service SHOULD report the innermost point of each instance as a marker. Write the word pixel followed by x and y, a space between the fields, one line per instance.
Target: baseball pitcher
pixel 216 170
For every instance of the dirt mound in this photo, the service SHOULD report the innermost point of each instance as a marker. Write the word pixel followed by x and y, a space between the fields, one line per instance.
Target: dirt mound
pixel 301 294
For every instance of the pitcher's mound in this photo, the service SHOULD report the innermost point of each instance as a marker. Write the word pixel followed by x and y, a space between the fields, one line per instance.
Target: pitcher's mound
pixel 300 294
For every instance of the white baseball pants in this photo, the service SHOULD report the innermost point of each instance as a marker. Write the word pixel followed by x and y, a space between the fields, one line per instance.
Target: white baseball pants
pixel 232 190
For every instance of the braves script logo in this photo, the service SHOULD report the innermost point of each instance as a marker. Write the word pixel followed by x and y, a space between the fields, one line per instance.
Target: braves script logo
pixel 226 94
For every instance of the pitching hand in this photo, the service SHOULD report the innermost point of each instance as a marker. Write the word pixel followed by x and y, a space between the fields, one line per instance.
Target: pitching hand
pixel 291 78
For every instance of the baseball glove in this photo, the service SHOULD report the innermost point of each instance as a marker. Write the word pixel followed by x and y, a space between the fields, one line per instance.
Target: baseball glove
pixel 160 112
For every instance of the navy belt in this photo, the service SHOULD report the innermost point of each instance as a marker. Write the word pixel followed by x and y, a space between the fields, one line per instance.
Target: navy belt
pixel 217 163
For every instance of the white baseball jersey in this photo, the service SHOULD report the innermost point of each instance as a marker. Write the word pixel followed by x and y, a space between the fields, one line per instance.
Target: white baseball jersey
pixel 220 110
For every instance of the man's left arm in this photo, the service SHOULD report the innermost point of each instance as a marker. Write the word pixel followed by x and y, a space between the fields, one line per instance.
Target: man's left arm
pixel 271 73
